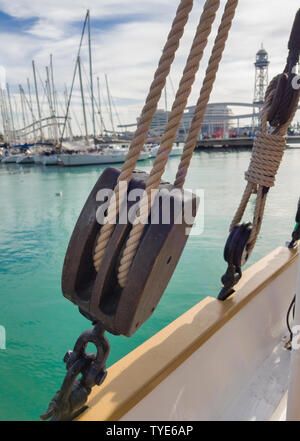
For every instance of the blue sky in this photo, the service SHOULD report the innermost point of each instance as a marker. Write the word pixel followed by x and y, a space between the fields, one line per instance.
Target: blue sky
pixel 12 24
pixel 128 36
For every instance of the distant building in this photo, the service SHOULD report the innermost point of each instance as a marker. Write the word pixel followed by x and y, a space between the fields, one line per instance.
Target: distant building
pixel 216 122
pixel 159 122
pixel 261 83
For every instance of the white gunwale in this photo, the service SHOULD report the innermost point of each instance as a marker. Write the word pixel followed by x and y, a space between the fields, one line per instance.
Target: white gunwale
pixel 134 376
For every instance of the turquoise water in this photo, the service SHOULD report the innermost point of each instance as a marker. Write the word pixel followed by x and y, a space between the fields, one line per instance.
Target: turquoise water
pixel 35 226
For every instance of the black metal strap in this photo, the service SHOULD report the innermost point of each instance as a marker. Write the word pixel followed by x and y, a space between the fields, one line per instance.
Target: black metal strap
pixel 296 231
pixel 235 254
pixel 70 400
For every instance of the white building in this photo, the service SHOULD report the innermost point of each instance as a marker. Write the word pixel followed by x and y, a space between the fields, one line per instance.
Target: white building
pixel 216 122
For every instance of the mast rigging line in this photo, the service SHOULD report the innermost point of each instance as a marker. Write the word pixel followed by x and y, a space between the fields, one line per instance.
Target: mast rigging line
pixel 74 76
pixel 47 96
pixel 94 98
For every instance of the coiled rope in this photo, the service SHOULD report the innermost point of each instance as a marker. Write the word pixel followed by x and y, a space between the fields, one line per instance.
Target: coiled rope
pixel 174 121
pixel 268 150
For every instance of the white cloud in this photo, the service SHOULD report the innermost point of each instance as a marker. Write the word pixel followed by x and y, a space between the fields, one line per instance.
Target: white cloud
pixel 128 51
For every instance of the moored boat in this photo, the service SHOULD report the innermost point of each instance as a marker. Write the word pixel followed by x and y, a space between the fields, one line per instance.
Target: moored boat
pixel 51 159
pixel 104 157
pixel 177 150
pixel 25 159
pixel 11 159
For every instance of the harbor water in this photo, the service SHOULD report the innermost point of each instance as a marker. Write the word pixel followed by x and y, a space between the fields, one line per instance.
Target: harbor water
pixel 39 208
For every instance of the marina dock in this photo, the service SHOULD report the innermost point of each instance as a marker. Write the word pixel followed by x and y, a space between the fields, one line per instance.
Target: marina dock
pixel 238 143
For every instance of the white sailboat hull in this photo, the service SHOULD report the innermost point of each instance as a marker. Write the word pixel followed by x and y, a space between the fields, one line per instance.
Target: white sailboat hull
pixel 37 159
pixel 95 158
pixel 50 160
pixel 176 151
pixel 45 160
pixel 25 159
pixel 11 159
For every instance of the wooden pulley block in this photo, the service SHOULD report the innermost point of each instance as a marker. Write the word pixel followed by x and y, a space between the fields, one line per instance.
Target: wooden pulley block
pixel 124 310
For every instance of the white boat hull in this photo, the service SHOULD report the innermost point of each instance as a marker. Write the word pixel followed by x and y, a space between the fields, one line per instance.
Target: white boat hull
pixel 37 159
pixel 49 160
pixel 11 159
pixel 26 159
pixel 95 158
pixel 176 151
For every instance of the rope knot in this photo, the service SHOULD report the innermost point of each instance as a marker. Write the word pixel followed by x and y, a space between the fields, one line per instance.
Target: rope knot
pixel 267 153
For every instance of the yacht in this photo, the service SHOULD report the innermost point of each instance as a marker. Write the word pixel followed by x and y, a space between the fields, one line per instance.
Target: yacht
pixel 12 158
pixel 25 158
pixel 177 150
pixel 106 156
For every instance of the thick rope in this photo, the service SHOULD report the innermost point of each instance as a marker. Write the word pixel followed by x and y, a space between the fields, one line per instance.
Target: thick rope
pixel 144 123
pixel 213 66
pixel 267 153
pixel 173 124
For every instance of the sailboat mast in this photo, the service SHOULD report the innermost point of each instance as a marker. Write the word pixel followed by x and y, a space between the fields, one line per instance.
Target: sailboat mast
pixel 51 84
pixel 73 80
pixel 68 122
pixel 23 113
pixel 11 114
pixel 91 74
pixel 17 116
pixel 4 117
pixel 99 105
pixel 51 106
pixel 82 99
pixel 31 109
pixel 109 105
pixel 37 100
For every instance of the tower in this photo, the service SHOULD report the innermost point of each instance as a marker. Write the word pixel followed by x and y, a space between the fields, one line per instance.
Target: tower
pixel 261 82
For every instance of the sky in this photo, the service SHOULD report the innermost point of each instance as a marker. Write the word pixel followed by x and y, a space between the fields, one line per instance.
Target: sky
pixel 127 39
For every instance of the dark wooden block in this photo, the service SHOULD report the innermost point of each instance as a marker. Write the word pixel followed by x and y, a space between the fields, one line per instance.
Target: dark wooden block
pixel 123 311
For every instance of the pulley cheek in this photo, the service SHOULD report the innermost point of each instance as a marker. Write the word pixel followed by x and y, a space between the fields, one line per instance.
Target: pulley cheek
pixel 99 295
pixel 296 231
pixel 236 253
pixel 287 96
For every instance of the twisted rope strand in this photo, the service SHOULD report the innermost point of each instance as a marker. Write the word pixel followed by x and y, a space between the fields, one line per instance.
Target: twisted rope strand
pixel 210 76
pixel 243 204
pixel 173 124
pixel 141 133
